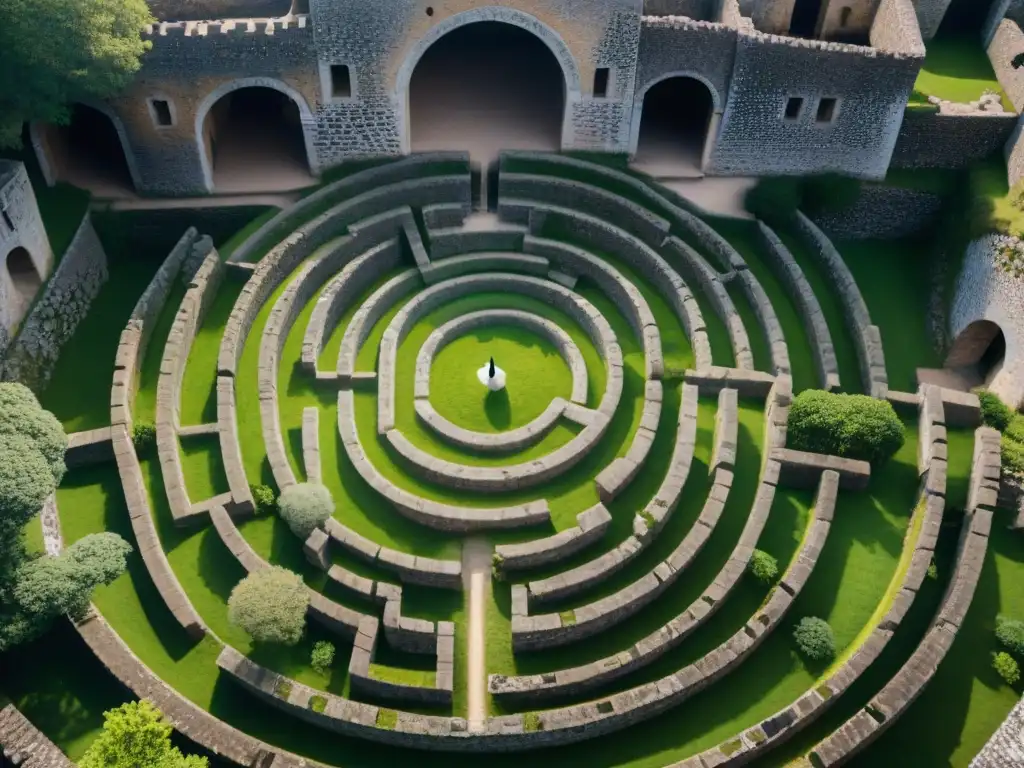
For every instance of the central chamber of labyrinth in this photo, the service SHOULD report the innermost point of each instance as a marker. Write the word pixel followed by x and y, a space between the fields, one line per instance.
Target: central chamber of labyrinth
pixel 636 426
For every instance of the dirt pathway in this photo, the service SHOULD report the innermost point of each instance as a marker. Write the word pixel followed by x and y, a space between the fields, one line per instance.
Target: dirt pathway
pixel 476 580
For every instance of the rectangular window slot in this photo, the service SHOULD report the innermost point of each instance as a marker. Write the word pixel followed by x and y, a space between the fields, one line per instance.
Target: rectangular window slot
pixel 794 106
pixel 826 110
pixel 7 220
pixel 601 78
pixel 844 16
pixel 162 112
pixel 341 81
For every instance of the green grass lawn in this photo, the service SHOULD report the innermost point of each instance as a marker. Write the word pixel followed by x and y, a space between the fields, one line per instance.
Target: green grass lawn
pixel 958 69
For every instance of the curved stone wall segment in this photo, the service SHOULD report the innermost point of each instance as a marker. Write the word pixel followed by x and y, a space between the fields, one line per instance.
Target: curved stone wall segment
pixel 788 271
pixel 866 336
pixel 511 440
pixel 130 352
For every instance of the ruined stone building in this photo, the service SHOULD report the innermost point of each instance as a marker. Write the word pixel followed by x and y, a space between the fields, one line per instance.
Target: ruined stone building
pixel 240 95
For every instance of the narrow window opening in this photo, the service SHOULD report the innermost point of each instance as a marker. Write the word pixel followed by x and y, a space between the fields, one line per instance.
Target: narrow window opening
pixel 7 220
pixel 794 106
pixel 341 81
pixel 601 78
pixel 844 16
pixel 826 110
pixel 162 113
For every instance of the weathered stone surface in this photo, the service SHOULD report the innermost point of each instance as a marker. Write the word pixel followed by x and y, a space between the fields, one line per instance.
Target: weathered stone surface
pixel 86 449
pixel 25 746
pixel 801 469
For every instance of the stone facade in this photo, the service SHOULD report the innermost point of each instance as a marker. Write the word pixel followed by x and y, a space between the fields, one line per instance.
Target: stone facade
pixel 985 292
pixel 21 227
pixel 884 213
pixel 929 140
pixel 61 305
pixel 736 49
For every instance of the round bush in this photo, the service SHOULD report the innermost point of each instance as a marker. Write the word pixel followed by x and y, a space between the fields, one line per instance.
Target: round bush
pixel 322 657
pixel 763 566
pixel 994 412
pixel 262 497
pixel 26 479
pixel 1010 634
pixel 815 639
pixel 21 414
pixel 270 605
pixel 103 556
pixel 144 438
pixel 852 426
pixel 1007 667
pixel 305 507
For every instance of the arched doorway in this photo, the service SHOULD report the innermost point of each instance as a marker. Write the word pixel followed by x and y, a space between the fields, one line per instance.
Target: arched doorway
pixel 486 86
pixel 253 140
pixel 675 124
pixel 978 352
pixel 25 280
pixel 89 152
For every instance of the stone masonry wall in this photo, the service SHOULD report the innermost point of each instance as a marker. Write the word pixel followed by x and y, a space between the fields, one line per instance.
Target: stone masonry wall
pixel 884 213
pixel 928 140
pixel 18 203
pixel 64 303
pixel 1006 45
pixel 871 86
pixel 180 10
pixel 929 15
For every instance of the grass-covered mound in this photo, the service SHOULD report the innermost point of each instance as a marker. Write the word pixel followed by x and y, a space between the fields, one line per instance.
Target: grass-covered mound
pixel 851 426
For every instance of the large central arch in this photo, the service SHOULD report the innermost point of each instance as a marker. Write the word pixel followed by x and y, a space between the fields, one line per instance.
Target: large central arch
pixel 509 16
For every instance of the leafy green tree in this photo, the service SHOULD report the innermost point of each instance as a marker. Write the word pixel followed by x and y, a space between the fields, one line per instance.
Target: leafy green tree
pixel 322 657
pixel 305 507
pixel 136 734
pixel 763 566
pixel 270 605
pixel 1010 634
pixel 815 639
pixel 56 52
pixel 1006 666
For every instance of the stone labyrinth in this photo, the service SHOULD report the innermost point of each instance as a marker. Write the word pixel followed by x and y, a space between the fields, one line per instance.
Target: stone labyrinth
pixel 398 290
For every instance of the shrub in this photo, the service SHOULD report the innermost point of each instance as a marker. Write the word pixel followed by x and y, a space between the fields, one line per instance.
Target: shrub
pixel 1012 456
pixel 21 414
pixel 262 497
pixel 144 438
pixel 318 703
pixel 1010 634
pixel 305 507
pixel 853 426
pixel 1006 666
pixel 1016 429
pixel 933 570
pixel 270 605
pixel 815 639
pixel 322 657
pixel 26 479
pixel 102 555
pixel 763 567
pixel 387 718
pixel 994 412
pixel 531 722
pixel 137 734
pixel 774 198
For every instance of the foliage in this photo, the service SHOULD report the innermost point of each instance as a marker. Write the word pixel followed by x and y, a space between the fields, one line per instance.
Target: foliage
pixel 322 657
pixel 305 507
pixel 853 426
pixel 137 734
pixel 318 703
pixel 144 438
pixel 26 480
pixel 994 412
pixel 1012 456
pixel 1016 429
pixel 1006 666
pixel 270 605
pixel 21 414
pixel 815 639
pixel 48 587
pixel 262 497
pixel 531 722
pixel 774 199
pixel 763 566
pixel 1010 634
pixel 93 53
pixel 1017 196
pixel 933 570
pixel 387 718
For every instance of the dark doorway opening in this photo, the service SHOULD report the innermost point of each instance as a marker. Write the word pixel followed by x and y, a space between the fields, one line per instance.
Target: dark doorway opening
pixel 255 143
pixel 485 87
pixel 804 22
pixel 25 279
pixel 88 153
pixel 978 352
pixel 673 128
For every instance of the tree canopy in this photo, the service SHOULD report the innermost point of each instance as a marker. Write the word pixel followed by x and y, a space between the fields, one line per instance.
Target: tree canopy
pixel 56 52
pixel 137 734
pixel 270 605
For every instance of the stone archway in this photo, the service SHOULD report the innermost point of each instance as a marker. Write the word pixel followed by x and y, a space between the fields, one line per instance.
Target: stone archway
pixel 25 281
pixel 256 135
pixel 530 70
pixel 675 123
pixel 978 352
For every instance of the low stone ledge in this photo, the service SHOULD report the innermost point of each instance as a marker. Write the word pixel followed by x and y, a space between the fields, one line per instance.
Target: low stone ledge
pixel 800 469
pixel 789 272
pixel 197 430
pixel 87 449
pixel 483 261
pixel 747 383
pixel 311 444
pixel 591 525
pixel 25 745
pixel 450 242
pixel 491 442
pixel 445 215
pixel 723 450
pixel 962 409
pixel 621 472
pixel 231 446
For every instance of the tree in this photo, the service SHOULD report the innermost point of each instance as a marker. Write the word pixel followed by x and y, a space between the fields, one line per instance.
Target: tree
pixel 815 639
pixel 763 566
pixel 1006 666
pixel 305 507
pixel 322 657
pixel 1010 634
pixel 270 605
pixel 56 52
pixel 21 414
pixel 137 734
